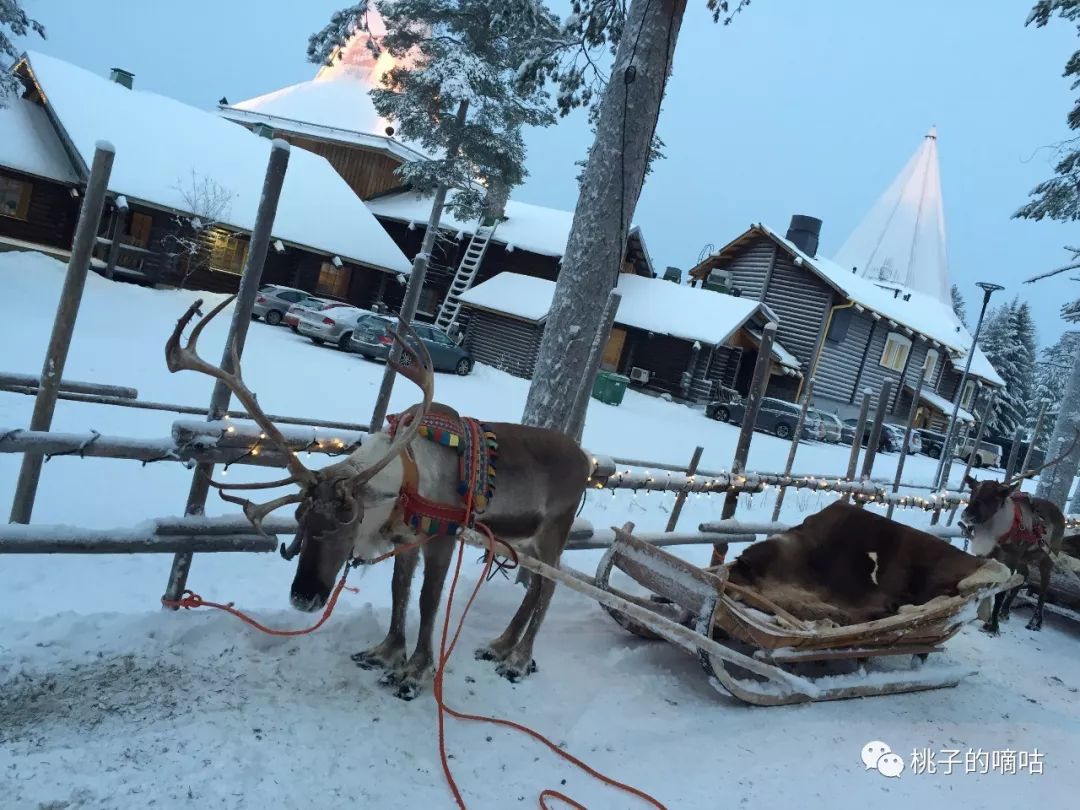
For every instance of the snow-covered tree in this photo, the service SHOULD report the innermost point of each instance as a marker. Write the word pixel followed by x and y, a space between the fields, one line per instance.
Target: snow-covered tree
pixel 14 22
pixel 1051 375
pixel 642 36
pixel 1008 340
pixel 458 90
pixel 207 203
pixel 959 306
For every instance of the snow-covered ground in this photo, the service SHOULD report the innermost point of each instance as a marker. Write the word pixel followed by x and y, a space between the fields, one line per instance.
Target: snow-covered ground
pixel 107 701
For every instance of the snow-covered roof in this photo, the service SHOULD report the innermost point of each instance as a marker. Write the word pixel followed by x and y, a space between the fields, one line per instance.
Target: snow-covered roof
pixel 940 403
pixel 918 311
pixel 160 143
pixel 649 304
pixel 29 144
pixel 902 236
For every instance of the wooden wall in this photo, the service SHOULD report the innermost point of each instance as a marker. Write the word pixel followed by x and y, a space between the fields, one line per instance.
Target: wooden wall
pixel 505 343
pixel 50 218
pixel 367 172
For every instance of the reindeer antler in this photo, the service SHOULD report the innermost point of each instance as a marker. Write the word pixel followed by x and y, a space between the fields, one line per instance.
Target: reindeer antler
pixel 1062 457
pixel 421 372
pixel 179 358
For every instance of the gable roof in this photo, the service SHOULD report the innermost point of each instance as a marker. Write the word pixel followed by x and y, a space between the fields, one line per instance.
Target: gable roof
pixel 916 311
pixel 649 304
pixel 29 144
pixel 161 143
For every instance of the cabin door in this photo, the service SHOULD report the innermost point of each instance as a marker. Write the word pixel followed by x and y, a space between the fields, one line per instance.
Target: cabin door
pixel 614 349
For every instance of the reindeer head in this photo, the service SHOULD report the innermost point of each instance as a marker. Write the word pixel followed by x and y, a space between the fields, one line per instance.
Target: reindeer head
pixel 987 499
pixel 347 509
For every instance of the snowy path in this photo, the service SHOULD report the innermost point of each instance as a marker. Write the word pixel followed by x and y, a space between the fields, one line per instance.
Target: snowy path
pixel 106 701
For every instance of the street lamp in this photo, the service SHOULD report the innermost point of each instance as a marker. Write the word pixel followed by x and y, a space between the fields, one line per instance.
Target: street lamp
pixel 946 449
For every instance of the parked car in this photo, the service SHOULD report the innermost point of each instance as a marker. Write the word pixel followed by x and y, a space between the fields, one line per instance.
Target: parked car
pixel 932 442
pixel 334 324
pixel 775 416
pixel 834 428
pixel 986 455
pixel 312 303
pixel 371 338
pixel 274 300
pixel 892 437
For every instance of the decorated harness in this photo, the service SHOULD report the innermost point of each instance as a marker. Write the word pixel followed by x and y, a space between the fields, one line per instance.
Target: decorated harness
pixel 477 449
pixel 1018 532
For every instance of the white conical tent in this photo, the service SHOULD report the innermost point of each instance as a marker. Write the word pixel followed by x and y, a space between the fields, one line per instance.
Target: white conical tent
pixel 902 238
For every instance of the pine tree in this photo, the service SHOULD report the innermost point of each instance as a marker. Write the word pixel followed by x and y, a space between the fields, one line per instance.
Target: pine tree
pixel 642 37
pixel 459 91
pixel 15 21
pixel 1051 375
pixel 1007 339
pixel 959 306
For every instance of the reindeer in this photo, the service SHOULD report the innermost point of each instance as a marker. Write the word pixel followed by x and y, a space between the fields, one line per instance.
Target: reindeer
pixel 352 511
pixel 1020 531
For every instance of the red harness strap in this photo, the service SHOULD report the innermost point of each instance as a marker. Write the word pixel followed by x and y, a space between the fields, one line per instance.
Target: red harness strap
pixel 1017 533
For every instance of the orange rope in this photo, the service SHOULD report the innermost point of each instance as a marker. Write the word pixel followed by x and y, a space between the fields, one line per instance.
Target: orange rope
pixel 444 656
pixel 190 599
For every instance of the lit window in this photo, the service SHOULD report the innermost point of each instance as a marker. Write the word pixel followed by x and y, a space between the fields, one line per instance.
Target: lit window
pixel 930 365
pixel 14 198
pixel 333 280
pixel 228 252
pixel 896 351
pixel 968 396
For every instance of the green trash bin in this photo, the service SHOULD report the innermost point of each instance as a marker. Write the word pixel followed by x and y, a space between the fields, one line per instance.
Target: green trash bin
pixel 610 387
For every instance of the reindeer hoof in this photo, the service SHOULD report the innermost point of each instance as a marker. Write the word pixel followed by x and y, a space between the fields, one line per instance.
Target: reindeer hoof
pixel 516 673
pixel 489 654
pixel 378 658
pixel 1034 625
pixel 407 690
pixel 391 678
pixel 991 629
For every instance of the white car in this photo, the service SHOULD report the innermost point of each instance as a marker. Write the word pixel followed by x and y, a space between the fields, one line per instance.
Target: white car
pixel 331 325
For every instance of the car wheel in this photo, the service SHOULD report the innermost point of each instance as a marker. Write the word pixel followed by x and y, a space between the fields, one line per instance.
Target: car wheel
pixel 722 414
pixel 317 341
pixel 295 329
pixel 463 367
pixel 977 462
pixel 782 430
pixel 934 453
pixel 273 317
pixel 343 341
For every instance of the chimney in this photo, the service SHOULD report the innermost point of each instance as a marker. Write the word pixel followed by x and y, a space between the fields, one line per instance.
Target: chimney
pixel 121 76
pixel 803 232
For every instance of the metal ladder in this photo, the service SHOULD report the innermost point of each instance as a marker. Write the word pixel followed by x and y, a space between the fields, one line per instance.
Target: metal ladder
pixel 465 275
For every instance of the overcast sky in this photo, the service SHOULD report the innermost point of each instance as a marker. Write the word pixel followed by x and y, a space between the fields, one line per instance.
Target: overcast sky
pixel 797 107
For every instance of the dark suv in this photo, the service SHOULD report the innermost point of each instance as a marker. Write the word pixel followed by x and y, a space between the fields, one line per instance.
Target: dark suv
pixel 932 442
pixel 776 416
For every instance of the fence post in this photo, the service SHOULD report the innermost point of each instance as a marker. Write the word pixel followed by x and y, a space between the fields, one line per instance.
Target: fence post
pixel 1014 452
pixel 234 343
pixel 742 448
pixel 907 437
pixel 67 310
pixel 1034 436
pixel 877 429
pixel 576 424
pixel 807 397
pixel 680 499
pixel 988 412
pixel 856 440
pixel 119 214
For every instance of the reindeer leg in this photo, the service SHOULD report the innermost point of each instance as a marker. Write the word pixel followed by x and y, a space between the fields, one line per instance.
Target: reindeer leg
pixel 1045 567
pixel 499 648
pixel 992 627
pixel 437 557
pixel 390 653
pixel 550 542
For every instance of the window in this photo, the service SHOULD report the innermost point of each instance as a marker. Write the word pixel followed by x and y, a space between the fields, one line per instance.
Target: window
pixel 896 351
pixel 138 230
pixel 333 280
pixel 228 252
pixel 14 197
pixel 930 364
pixel 968 395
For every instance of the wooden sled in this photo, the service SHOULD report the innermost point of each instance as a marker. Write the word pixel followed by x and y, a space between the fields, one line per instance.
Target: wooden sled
pixel 754 649
pixel 1063 595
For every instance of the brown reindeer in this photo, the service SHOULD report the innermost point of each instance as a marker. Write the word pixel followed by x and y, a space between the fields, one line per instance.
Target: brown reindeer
pixel 1021 531
pixel 353 510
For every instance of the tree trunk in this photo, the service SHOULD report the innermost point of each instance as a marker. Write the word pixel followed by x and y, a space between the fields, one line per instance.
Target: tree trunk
pixel 1055 482
pixel 611 185
pixel 416 283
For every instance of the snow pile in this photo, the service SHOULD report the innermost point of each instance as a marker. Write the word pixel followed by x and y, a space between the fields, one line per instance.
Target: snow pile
pixel 108 701
pixel 161 142
pixel 28 142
